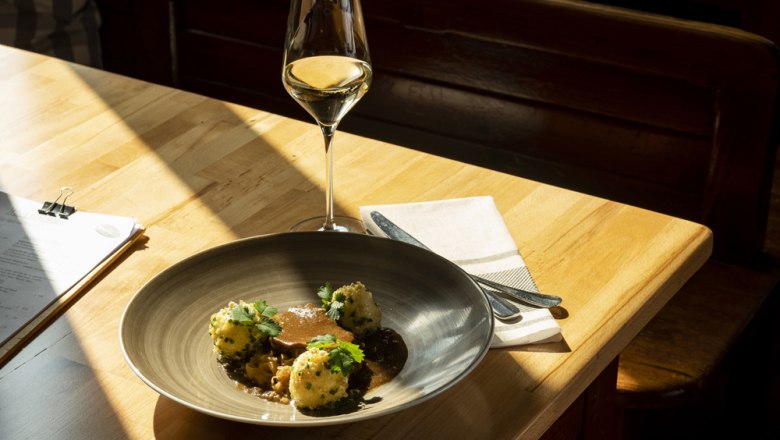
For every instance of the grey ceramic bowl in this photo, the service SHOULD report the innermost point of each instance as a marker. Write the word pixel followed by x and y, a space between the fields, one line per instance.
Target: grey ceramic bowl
pixel 440 312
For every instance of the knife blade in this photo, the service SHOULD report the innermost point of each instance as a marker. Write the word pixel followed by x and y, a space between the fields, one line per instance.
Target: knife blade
pixel 394 231
pixel 525 296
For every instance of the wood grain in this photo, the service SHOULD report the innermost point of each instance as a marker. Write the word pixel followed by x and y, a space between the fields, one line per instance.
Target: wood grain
pixel 198 172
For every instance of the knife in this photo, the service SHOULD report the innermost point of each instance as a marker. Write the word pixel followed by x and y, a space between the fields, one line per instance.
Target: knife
pixel 525 296
pixel 502 308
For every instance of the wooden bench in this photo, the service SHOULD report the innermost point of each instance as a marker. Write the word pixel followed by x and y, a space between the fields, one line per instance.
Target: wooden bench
pixel 760 17
pixel 678 117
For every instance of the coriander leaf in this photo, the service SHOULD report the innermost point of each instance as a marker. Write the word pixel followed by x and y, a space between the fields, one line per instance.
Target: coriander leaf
pixel 264 309
pixel 241 315
pixel 325 292
pixel 353 350
pixel 335 309
pixel 332 302
pixel 322 341
pixel 342 357
pixel 339 361
pixel 269 327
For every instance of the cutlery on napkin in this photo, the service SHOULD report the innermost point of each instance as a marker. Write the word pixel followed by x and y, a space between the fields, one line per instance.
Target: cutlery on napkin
pixel 471 233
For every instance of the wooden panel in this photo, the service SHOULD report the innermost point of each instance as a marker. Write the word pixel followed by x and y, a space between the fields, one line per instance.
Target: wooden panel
pixel 514 71
pixel 250 21
pixel 135 39
pixel 641 42
pixel 234 64
pixel 542 131
pixel 758 16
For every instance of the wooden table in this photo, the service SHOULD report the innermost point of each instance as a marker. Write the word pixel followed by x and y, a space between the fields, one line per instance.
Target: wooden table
pixel 198 172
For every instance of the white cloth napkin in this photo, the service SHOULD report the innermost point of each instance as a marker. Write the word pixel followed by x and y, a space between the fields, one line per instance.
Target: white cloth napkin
pixel 471 233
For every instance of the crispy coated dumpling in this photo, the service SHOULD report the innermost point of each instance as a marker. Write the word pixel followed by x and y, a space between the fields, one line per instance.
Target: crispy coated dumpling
pixel 234 338
pixel 361 314
pixel 313 384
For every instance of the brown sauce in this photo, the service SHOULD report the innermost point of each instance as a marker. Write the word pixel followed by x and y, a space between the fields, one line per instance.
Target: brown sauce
pixel 384 349
pixel 262 393
pixel 302 324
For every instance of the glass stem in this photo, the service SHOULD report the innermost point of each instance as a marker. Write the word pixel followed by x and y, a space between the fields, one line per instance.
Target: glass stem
pixel 328 131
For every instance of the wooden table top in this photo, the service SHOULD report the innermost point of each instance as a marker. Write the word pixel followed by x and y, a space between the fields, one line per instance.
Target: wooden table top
pixel 198 172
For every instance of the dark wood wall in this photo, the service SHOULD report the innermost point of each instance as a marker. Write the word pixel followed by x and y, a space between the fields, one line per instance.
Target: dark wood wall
pixel 675 116
pixel 135 39
pixel 761 17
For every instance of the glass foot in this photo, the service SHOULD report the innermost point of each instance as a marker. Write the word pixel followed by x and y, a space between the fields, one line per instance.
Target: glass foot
pixel 343 224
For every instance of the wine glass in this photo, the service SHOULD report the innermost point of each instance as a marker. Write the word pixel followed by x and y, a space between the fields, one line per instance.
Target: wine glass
pixel 326 70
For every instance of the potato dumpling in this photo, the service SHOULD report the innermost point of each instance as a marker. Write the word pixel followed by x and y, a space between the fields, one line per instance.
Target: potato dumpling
pixel 361 315
pixel 233 330
pixel 313 384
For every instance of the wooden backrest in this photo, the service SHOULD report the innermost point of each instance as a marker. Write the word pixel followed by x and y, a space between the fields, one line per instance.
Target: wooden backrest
pixel 675 116
pixel 761 17
pixel 679 117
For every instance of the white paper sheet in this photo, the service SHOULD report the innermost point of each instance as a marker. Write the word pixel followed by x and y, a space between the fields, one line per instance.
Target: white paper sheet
pixel 42 256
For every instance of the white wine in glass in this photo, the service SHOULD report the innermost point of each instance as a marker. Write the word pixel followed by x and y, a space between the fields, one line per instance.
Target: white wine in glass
pixel 326 70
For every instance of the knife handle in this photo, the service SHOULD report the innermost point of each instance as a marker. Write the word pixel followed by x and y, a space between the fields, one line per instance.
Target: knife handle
pixel 532 298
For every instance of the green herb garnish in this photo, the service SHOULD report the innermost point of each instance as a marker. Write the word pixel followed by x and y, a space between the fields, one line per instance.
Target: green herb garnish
pixel 342 355
pixel 241 315
pixel 268 326
pixel 244 315
pixel 325 292
pixel 332 303
pixel 264 309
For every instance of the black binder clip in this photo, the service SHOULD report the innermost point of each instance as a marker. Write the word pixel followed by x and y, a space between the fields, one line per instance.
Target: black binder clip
pixel 59 209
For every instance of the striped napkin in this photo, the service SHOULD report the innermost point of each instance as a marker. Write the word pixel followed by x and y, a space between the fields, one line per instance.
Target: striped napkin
pixel 471 233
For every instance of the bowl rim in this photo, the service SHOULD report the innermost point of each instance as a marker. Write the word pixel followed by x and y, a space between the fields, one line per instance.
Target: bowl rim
pixel 320 421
